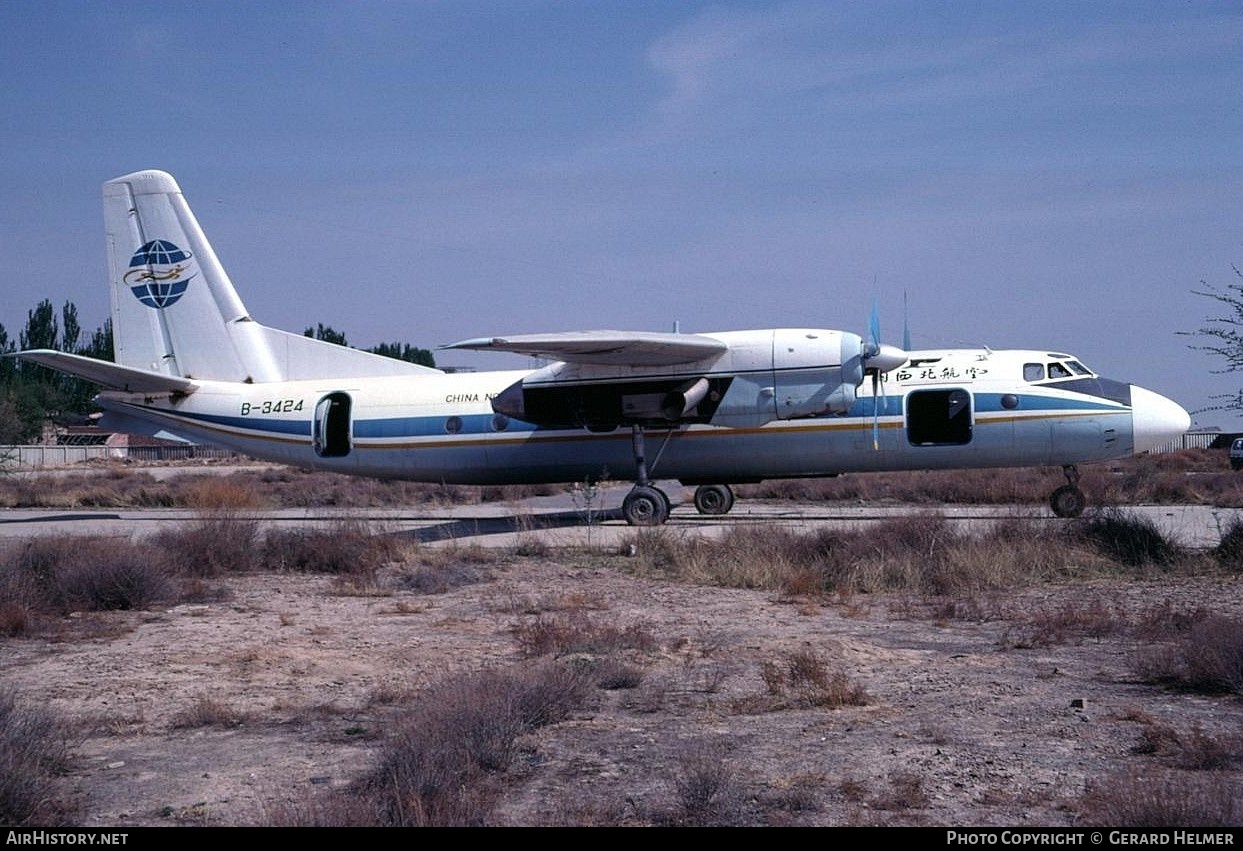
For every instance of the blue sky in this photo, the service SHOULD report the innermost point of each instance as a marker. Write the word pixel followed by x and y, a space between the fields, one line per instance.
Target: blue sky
pixel 1056 175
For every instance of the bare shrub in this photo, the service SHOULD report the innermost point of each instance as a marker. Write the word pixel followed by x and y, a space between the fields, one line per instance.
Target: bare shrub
pixel 438 570
pixel 33 751
pixel 575 632
pixel 707 786
pixel 1206 656
pixel 207 712
pixel 1129 538
pixel 57 576
pixel 437 768
pixel 332 808
pixel 804 678
pixel 1069 622
pixel 14 618
pixel 221 493
pixel 214 544
pixel 613 673
pixel 346 548
pixel 1162 799
pixel 905 792
pixel 1191 750
pixel 1229 551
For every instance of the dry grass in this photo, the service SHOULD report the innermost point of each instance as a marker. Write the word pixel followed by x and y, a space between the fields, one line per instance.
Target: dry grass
pixel 207 712
pixel 706 786
pixel 1190 749
pixel 33 752
pixel 1069 622
pixel 441 764
pixel 1204 655
pixel 574 631
pixel 1145 479
pixel 804 679
pixel 1146 799
pixel 924 554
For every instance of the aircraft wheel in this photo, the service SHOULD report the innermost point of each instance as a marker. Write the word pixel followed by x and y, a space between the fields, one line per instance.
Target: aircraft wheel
pixel 1068 501
pixel 645 506
pixel 714 499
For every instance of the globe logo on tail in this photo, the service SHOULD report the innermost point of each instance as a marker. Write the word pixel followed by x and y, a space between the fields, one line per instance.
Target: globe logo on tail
pixel 159 272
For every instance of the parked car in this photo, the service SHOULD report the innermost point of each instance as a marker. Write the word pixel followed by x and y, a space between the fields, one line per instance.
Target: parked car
pixel 1236 454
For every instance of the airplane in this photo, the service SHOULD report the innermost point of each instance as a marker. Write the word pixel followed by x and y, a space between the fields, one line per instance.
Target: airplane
pixel 709 410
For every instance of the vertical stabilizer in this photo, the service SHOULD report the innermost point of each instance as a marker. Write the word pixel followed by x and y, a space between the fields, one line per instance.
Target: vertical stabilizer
pixel 174 309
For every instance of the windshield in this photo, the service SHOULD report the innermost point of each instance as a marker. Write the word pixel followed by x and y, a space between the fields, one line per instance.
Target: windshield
pixel 1055 370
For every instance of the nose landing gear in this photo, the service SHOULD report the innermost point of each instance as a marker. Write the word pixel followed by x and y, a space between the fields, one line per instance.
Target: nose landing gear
pixel 1068 500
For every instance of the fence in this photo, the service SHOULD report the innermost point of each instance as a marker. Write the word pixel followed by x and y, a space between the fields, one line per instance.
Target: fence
pixel 40 457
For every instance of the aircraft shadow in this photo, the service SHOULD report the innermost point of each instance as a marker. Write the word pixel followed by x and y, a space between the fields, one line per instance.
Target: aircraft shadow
pixel 474 527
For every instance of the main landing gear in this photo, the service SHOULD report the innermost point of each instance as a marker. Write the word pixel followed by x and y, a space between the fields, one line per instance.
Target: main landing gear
pixel 1068 500
pixel 714 499
pixel 647 505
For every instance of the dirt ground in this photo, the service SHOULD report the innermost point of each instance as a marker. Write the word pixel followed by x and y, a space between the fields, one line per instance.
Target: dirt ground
pixel 969 720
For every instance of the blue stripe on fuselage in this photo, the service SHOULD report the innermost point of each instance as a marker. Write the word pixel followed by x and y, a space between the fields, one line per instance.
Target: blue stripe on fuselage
pixel 390 428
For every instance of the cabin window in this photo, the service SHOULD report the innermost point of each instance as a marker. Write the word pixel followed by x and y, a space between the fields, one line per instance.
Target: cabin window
pixel 1033 372
pixel 938 417
pixel 1056 370
pixel 331 428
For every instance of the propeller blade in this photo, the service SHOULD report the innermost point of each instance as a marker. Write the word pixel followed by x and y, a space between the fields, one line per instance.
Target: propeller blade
pixel 873 342
pixel 906 325
pixel 875 411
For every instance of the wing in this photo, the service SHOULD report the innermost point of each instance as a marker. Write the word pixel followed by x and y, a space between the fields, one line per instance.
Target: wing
pixel 110 375
pixel 604 348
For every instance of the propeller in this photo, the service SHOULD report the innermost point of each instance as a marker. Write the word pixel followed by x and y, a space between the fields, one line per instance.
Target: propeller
pixel 881 357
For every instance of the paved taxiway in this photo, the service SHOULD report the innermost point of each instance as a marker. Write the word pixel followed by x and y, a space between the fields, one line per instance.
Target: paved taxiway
pixel 560 521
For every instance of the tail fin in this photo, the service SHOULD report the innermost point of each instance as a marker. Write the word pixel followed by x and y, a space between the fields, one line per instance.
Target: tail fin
pixel 175 311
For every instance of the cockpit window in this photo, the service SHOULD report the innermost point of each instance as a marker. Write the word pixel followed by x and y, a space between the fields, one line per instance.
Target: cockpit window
pixel 1055 370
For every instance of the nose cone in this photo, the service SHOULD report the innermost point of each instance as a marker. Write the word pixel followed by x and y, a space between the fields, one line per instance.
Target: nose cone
pixel 1155 420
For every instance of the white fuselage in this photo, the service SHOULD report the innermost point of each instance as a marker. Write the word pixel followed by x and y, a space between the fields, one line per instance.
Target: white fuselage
pixel 942 409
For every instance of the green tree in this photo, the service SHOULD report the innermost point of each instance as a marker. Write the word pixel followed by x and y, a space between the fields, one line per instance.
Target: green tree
pixel 41 331
pixel 70 330
pixel 30 394
pixel 8 366
pixel 325 333
pixel 100 346
pixel 406 352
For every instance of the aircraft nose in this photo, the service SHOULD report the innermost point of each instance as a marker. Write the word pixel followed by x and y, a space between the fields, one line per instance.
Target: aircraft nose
pixel 1155 420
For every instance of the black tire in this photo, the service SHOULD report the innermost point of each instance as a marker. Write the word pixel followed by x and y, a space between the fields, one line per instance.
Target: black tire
pixel 645 506
pixel 714 499
pixel 1068 501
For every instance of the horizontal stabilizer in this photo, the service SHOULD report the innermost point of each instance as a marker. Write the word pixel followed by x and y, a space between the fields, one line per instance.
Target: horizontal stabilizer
pixel 111 375
pixel 608 348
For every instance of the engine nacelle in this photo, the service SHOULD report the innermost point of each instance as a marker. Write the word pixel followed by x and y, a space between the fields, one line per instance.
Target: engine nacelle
pixel 762 376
